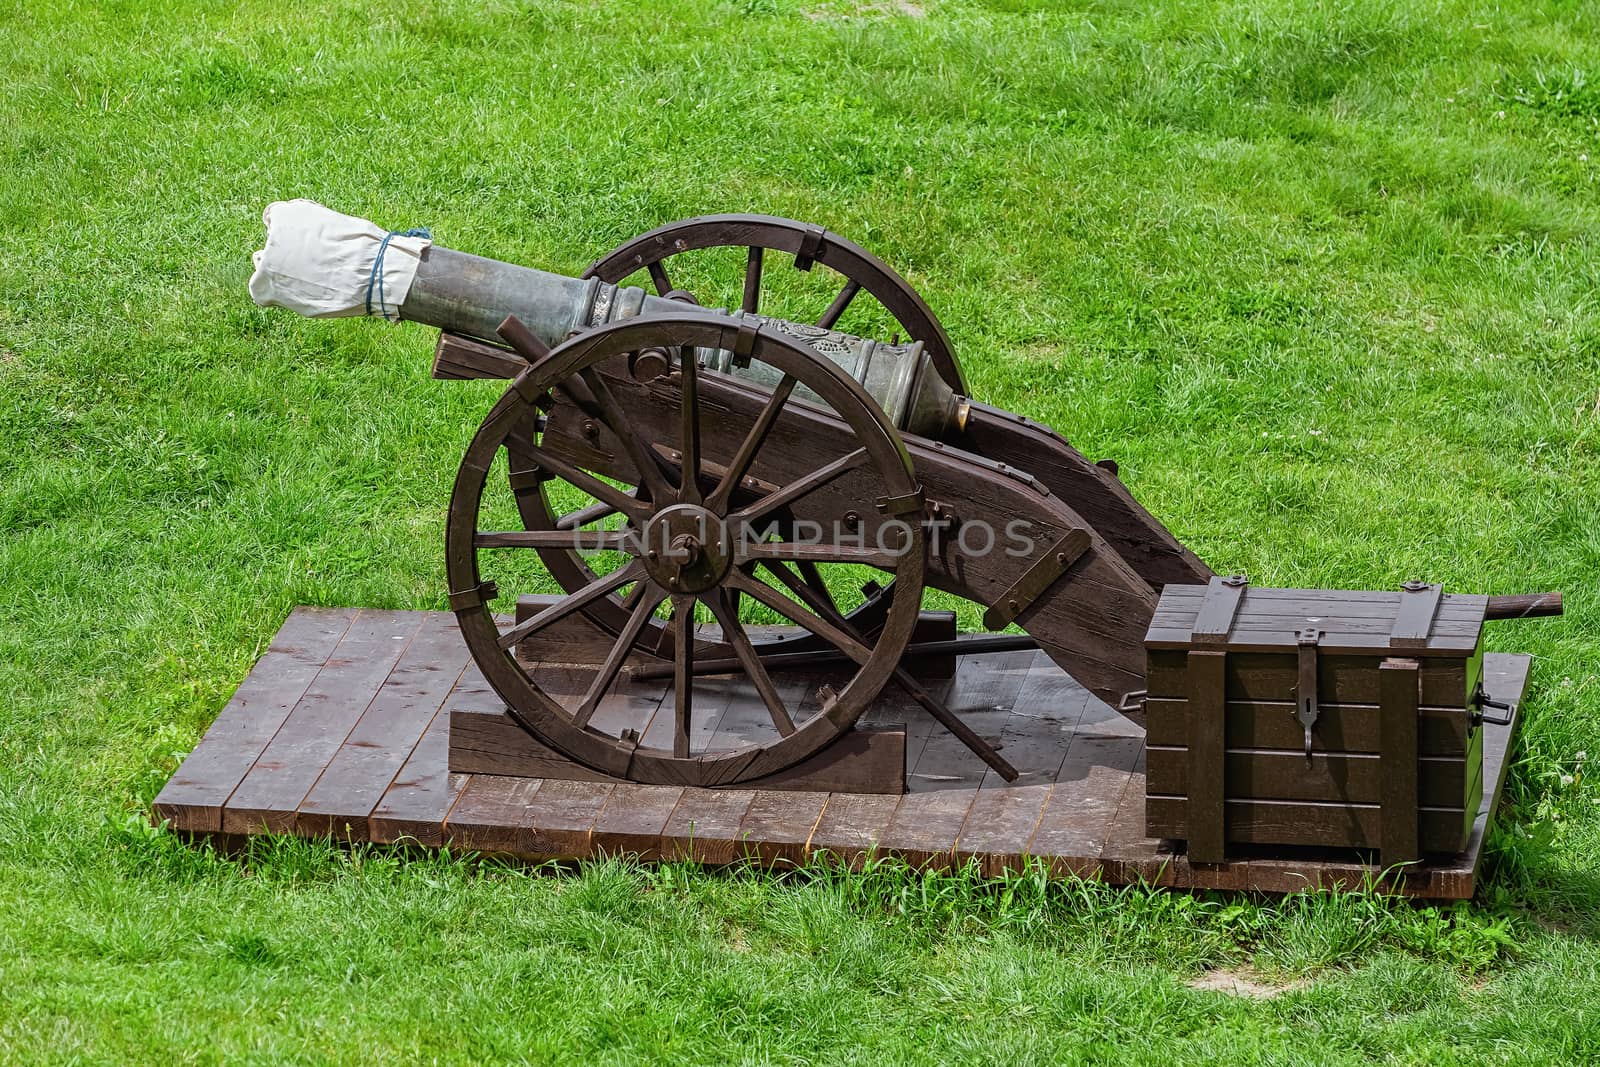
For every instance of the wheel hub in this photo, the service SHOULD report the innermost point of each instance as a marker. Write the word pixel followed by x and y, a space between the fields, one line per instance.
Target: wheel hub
pixel 687 549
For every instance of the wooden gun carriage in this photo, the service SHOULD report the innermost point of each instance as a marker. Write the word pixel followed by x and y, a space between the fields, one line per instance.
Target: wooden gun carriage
pixel 732 506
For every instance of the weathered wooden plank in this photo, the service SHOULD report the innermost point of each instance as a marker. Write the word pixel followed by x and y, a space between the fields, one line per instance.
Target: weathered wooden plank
pixel 1204 805
pixel 777 827
pixel 1270 724
pixel 1178 609
pixel 371 756
pixel 1285 822
pixel 559 821
pixel 1344 602
pixel 999 825
pixel 1350 621
pixel 1280 774
pixel 945 763
pixel 1214 616
pixel 415 805
pixel 1453 625
pixel 1036 738
pixel 271 793
pixel 1047 702
pixel 744 718
pixel 458 357
pixel 1414 619
pixel 633 819
pixel 1341 679
pixel 926 826
pixel 853 826
pixel 487 740
pixel 194 797
pixel 1044 719
pixel 630 704
pixel 868 759
pixel 491 815
pixel 570 641
pixel 1077 819
pixel 1130 853
pixel 704 827
pixel 1338 641
pixel 1398 688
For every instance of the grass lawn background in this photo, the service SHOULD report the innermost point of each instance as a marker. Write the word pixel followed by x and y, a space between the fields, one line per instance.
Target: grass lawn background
pixel 1321 276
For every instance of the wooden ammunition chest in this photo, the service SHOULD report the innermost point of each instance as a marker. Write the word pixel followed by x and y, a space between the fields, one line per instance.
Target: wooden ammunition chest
pixel 1388 681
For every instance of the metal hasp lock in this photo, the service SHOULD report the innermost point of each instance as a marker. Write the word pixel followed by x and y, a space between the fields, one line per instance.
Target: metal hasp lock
pixel 1305 695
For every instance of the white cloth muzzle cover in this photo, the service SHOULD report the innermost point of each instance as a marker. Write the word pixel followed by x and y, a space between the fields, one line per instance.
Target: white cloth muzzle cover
pixel 324 265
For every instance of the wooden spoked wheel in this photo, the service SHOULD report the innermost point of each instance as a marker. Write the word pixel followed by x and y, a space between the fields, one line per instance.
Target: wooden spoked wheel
pixel 693 532
pixel 804 246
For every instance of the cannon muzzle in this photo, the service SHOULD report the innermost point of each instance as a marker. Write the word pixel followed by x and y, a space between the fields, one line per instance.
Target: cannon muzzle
pixel 324 264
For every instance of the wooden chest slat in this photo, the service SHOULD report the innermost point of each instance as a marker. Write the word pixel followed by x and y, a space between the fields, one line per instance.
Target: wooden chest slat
pixel 1341 679
pixel 1396 675
pixel 1279 822
pixel 1341 727
pixel 1356 777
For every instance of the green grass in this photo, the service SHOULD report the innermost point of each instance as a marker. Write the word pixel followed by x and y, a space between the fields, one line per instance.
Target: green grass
pixel 1322 276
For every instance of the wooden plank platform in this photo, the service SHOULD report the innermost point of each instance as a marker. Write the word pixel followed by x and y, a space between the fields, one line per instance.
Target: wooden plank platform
pixel 341 730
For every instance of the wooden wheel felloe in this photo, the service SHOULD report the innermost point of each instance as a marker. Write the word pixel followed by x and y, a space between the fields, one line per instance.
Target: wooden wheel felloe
pixel 694 530
pixel 809 245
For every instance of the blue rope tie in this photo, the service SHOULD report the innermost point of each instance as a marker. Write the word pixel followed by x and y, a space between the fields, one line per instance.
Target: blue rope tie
pixel 375 279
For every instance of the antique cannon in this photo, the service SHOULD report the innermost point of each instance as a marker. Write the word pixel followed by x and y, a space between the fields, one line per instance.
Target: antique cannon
pixel 654 455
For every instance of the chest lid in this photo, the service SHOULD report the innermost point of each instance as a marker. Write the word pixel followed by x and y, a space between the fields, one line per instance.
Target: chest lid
pixel 1231 614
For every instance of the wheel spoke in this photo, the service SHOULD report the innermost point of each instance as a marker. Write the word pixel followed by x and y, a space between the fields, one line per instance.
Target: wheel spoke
pixel 813 577
pixel 820 553
pixel 740 464
pixel 643 609
pixel 585 481
pixel 801 486
pixel 798 615
pixel 562 608
pixel 642 456
pixel 574 520
pixel 689 430
pixel 752 280
pixel 733 633
pixel 931 704
pixel 636 594
pixel 658 274
pixel 840 302
pixel 683 673
pixel 820 602
pixel 596 540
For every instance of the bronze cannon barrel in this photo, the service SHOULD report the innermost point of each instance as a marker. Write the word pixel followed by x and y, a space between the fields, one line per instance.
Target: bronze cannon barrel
pixel 319 262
